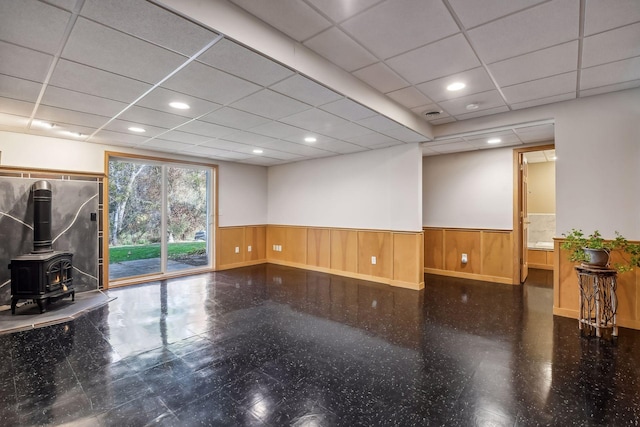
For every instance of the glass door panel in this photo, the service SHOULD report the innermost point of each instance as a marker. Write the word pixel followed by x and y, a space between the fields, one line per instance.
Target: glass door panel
pixel 135 220
pixel 187 231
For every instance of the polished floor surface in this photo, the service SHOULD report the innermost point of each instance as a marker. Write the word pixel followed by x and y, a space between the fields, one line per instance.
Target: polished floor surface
pixel 277 346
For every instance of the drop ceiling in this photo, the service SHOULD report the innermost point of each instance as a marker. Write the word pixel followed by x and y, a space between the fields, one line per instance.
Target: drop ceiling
pixel 96 68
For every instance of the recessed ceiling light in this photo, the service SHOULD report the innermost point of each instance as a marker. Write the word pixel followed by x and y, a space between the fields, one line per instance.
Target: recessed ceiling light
pixel 494 141
pixel 310 139
pixel 258 151
pixel 456 86
pixel 74 134
pixel 179 105
pixel 472 107
pixel 45 125
pixel 137 129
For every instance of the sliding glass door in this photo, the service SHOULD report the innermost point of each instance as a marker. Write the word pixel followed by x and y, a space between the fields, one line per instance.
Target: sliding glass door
pixel 158 218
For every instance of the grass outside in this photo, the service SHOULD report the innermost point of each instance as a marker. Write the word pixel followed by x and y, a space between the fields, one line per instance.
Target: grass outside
pixel 176 250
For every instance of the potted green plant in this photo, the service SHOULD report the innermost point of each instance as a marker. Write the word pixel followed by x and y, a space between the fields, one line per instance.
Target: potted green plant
pixel 594 251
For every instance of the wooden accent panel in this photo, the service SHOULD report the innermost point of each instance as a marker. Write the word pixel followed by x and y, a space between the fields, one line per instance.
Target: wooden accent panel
pixel 294 247
pixel 434 248
pixel 319 247
pixel 256 237
pixel 378 244
pixel 457 242
pixel 344 250
pixel 496 250
pixel 537 257
pixel 408 258
pixel 229 239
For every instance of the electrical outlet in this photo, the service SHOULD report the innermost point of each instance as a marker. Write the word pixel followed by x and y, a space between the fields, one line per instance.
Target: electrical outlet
pixel 464 258
pixel 237 249
pixel 279 248
pixel 373 260
pixel 275 248
pixel 249 248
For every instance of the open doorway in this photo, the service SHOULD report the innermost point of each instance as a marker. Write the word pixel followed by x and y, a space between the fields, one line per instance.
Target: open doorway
pixel 534 210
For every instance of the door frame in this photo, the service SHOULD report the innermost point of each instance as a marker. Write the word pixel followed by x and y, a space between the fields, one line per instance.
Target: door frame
pixel 518 244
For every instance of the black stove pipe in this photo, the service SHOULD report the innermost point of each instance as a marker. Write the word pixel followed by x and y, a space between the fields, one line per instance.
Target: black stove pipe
pixel 41 217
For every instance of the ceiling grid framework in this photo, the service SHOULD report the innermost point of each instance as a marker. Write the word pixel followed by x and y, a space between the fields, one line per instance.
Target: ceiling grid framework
pixel 96 69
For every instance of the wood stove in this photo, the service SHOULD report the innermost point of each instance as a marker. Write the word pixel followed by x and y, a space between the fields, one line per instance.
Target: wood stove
pixel 44 275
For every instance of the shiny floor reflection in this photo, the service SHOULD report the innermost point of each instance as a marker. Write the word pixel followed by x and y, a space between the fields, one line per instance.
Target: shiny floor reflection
pixel 275 346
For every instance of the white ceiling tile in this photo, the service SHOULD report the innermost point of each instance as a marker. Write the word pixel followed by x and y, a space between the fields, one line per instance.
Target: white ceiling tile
pixel 506 137
pixel 604 15
pixel 268 103
pixel 542 88
pixel 485 100
pixel 473 12
pixel 340 49
pixel 159 99
pixel 340 147
pixel 444 140
pixel 536 65
pixel 299 138
pixel 110 137
pixel 410 97
pixel 613 45
pixel 233 118
pixel 119 53
pixel 77 101
pixel 408 23
pixel 165 145
pixel 123 126
pixel 225 154
pixel 545 25
pixel 381 77
pixel 535 157
pixel 221 144
pixel 24 63
pixel 61 115
pixel 405 135
pixel 184 137
pixel 315 120
pixel 305 90
pixel 477 80
pixel 234 59
pixel 149 22
pixel 146 116
pixel 536 133
pixel 608 74
pixel 378 123
pixel 293 148
pixel 16 107
pixel 206 82
pixel 63 4
pixel 426 151
pixel 81 78
pixel 373 139
pixel 419 66
pixel 15 88
pixel 294 18
pixel 249 138
pixel 339 10
pixel 209 130
pixel 543 101
pixel 611 88
pixel 33 24
pixel 452 147
pixel 345 131
pixel 482 113
pixel 261 161
pixel 385 145
pixel 348 109
pixel 279 130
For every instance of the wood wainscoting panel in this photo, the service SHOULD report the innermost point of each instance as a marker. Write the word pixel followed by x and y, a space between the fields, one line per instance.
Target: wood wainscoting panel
pixel 536 257
pixel 568 295
pixel 626 293
pixel 457 242
pixel 434 248
pixel 256 237
pixel 319 247
pixel 407 257
pixel 275 237
pixel 229 239
pixel 496 248
pixel 344 250
pixel 375 244
pixel 294 247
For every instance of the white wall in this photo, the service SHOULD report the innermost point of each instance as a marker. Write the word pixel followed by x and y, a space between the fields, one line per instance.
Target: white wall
pixel 242 189
pixel 379 189
pixel 598 168
pixel 469 190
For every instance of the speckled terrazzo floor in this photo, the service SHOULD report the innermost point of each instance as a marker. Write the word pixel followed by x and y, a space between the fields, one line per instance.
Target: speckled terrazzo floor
pixel 276 346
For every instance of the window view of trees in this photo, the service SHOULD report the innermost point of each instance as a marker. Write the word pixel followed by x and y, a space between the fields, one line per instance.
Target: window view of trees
pixel 135 217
